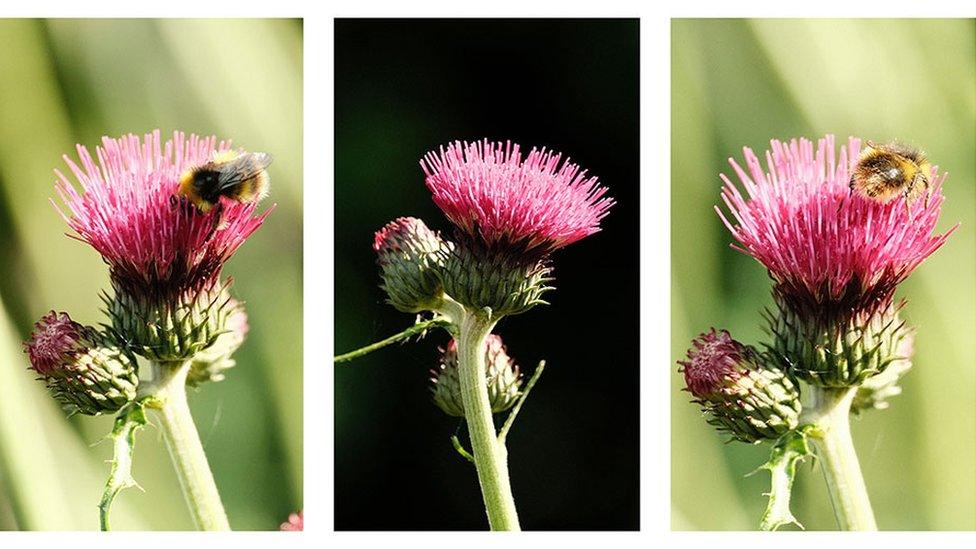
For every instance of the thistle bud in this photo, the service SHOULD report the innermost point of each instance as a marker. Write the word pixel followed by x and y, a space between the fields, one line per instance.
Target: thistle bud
pixel 743 397
pixel 506 280
pixel 874 393
pixel 171 328
pixel 82 369
pixel 503 376
pixel 836 350
pixel 211 363
pixel 410 255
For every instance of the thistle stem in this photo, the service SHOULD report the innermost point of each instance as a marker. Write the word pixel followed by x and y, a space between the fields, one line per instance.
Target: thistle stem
pixel 490 455
pixel 417 328
pixel 829 413
pixel 168 388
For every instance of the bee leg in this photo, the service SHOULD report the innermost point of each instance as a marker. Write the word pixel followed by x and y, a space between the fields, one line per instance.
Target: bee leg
pixel 184 205
pixel 218 213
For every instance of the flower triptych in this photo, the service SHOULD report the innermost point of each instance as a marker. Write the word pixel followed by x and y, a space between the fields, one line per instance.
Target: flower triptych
pixel 490 348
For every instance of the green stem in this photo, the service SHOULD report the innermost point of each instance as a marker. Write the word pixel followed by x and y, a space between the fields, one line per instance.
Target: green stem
pixel 417 328
pixel 490 456
pixel 829 413
pixel 169 389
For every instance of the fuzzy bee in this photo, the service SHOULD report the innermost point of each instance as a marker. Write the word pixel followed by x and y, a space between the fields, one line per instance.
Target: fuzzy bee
pixel 237 175
pixel 886 171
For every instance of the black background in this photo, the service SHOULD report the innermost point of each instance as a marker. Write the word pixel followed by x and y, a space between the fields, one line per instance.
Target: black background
pixel 403 87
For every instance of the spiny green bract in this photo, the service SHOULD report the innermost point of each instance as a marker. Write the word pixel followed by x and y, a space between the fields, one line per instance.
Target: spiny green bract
pixel 836 350
pixel 506 283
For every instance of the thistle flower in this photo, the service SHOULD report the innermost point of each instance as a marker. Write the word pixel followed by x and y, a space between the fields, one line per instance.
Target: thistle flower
pixel 410 256
pixel 82 371
pixel 835 257
pixel 510 213
pixel 164 255
pixel 742 395
pixel 503 376
pixel 296 523
pixel 488 190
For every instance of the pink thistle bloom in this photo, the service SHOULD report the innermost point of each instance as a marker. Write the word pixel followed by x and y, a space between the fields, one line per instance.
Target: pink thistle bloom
pixel 56 340
pixel 822 243
pixel 406 235
pixel 296 523
pixel 489 191
pixel 712 361
pixel 156 244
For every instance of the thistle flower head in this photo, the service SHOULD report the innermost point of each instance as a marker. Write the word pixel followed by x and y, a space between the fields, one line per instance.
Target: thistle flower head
pixel 503 375
pixel 164 254
pixel 83 371
pixel 743 395
pixel 835 255
pixel 827 247
pixel 156 245
pixel 494 194
pixel 410 255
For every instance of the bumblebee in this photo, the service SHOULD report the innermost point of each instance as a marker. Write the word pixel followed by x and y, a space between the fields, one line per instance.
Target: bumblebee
pixel 237 175
pixel 886 171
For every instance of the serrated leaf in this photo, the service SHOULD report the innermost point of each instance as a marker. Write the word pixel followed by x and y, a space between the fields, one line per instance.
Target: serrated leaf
pixel 123 438
pixel 789 450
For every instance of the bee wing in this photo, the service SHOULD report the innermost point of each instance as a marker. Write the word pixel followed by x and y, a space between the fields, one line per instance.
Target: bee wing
pixel 242 168
pixel 262 160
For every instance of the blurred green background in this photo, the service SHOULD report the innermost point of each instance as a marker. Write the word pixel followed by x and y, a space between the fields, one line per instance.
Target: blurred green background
pixel 73 81
pixel 740 83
